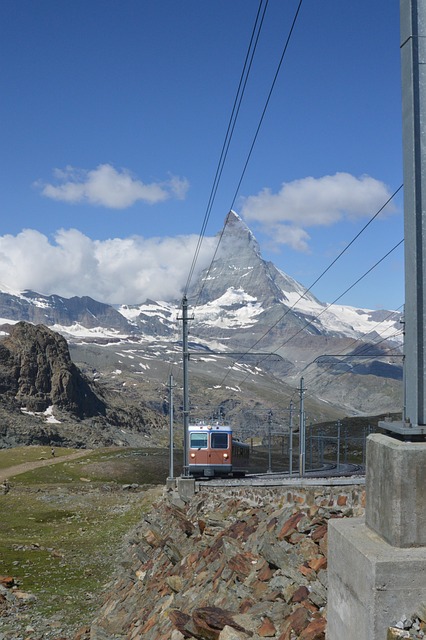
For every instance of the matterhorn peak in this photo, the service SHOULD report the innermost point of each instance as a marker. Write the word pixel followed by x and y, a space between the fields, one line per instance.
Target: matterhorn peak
pixel 235 228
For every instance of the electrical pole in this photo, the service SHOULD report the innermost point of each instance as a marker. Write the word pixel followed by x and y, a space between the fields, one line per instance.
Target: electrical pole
pixel 302 430
pixel 171 438
pixel 339 424
pixel 185 360
pixel 269 441
pixel 290 445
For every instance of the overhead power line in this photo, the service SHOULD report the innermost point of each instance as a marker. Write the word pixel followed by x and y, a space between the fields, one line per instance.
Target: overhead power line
pixel 231 125
pixel 363 349
pixel 357 355
pixel 230 130
pixel 287 42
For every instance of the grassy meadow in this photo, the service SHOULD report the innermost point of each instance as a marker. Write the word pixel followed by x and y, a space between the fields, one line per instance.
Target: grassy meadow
pixel 62 525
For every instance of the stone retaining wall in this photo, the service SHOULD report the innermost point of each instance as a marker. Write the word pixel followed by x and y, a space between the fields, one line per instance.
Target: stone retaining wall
pixel 337 497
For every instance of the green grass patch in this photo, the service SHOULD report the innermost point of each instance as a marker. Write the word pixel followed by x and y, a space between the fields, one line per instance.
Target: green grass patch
pixel 62 525
pixel 124 466
pixel 20 455
pixel 61 545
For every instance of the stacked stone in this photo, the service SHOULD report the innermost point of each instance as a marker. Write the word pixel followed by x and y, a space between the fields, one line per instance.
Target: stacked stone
pixel 413 627
pixel 222 567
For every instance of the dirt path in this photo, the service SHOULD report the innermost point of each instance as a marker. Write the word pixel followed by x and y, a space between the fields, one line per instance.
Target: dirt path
pixel 29 466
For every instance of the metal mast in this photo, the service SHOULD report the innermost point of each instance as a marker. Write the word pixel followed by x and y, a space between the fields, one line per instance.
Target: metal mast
pixel 413 58
pixel 171 436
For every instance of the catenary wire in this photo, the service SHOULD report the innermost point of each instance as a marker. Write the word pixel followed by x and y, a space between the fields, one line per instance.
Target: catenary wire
pixel 362 353
pixel 228 136
pixel 294 396
pixel 364 347
pixel 236 192
pixel 396 334
pixel 253 142
pixel 230 130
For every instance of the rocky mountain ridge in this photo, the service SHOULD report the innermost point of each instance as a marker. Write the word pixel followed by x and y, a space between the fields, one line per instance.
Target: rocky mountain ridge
pixel 251 327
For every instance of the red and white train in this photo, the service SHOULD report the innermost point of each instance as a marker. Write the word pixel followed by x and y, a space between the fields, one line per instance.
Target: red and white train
pixel 213 451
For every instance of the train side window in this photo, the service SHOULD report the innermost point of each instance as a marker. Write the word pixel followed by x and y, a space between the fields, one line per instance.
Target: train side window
pixel 219 440
pixel 198 440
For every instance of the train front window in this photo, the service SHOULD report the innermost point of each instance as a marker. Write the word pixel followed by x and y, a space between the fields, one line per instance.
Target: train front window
pixel 219 440
pixel 198 440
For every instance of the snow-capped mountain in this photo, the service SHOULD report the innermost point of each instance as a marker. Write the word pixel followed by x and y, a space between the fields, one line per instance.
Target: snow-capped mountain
pixel 241 304
pixel 239 291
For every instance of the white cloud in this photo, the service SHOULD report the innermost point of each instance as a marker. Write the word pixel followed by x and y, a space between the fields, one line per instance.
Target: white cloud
pixel 311 202
pixel 107 187
pixel 115 271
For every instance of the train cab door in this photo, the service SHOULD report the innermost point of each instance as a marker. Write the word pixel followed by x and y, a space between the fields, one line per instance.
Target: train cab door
pixel 219 451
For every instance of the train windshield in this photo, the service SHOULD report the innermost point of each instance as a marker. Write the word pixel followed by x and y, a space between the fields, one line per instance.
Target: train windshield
pixel 198 441
pixel 219 440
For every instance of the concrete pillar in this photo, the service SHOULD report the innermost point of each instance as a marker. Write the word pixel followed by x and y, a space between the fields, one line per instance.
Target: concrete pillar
pixel 377 564
pixel 371 584
pixel 395 486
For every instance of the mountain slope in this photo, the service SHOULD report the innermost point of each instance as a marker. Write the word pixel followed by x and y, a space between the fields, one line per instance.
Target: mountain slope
pixel 252 328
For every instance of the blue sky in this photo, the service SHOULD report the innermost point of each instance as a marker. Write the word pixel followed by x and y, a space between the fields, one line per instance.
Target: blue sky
pixel 112 120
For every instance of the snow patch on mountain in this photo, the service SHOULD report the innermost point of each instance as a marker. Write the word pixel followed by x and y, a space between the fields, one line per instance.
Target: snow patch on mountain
pixel 164 311
pixel 7 321
pixel 235 308
pixel 77 330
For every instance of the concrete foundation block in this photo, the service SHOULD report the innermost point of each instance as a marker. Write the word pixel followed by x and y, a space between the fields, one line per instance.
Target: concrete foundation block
pixel 170 484
pixel 186 488
pixel 371 584
pixel 396 490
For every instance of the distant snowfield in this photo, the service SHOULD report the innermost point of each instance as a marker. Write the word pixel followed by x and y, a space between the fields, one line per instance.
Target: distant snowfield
pixel 47 414
pixel 6 321
pixel 237 309
pixel 350 320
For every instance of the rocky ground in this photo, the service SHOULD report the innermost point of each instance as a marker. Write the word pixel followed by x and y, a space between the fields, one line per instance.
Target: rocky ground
pixel 232 563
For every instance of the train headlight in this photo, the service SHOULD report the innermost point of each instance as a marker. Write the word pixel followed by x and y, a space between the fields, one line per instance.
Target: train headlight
pixel 192 455
pixel 225 455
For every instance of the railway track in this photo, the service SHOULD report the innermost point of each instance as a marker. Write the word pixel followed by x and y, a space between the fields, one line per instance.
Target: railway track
pixel 330 476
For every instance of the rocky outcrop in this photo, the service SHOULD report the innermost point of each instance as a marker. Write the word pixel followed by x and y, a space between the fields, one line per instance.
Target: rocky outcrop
pixel 36 371
pixel 46 399
pixel 242 564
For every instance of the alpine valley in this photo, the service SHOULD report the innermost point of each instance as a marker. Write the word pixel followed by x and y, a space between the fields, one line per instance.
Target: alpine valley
pixel 79 372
